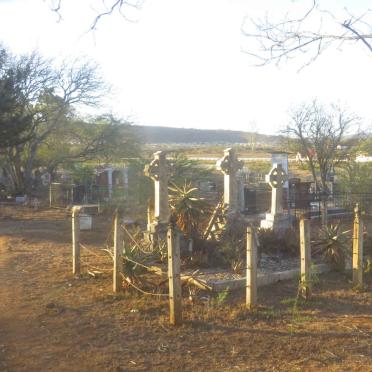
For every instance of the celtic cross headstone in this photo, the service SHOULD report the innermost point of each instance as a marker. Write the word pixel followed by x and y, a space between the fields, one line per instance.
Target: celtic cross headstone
pixel 157 170
pixel 229 165
pixel 276 219
pixel 276 179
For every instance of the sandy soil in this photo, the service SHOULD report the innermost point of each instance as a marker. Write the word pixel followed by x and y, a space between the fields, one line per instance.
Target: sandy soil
pixel 50 321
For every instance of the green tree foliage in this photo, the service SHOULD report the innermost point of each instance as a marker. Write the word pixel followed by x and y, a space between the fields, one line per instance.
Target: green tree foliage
pixel 45 98
pixel 182 169
pixel 48 98
pixel 15 121
pixel 103 139
pixel 356 177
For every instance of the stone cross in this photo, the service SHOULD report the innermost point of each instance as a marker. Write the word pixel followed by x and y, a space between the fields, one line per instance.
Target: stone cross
pixel 276 179
pixel 157 170
pixel 229 165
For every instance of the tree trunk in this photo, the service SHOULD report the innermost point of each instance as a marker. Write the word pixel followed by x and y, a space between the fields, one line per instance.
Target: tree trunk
pixel 28 180
pixel 14 168
pixel 324 209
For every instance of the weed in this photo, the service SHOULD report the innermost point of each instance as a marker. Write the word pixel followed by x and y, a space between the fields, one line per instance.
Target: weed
pixel 270 313
pixel 220 299
pixel 288 301
pixel 298 301
pixel 315 280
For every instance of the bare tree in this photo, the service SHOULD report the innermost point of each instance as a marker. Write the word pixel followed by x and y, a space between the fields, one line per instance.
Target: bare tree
pixel 308 35
pixel 105 8
pixel 318 132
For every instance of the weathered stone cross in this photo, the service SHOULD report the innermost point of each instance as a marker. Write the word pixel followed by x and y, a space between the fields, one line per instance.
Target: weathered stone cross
pixel 276 179
pixel 229 165
pixel 157 170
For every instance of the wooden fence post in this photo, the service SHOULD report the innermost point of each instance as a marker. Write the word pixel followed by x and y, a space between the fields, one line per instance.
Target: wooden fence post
pixel 251 269
pixel 174 276
pixel 50 195
pixel 305 250
pixel 76 240
pixel 118 259
pixel 357 249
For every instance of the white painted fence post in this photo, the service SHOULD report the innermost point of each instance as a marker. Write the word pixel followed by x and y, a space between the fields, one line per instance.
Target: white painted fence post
pixel 76 240
pixel 358 249
pixel 251 269
pixel 118 259
pixel 305 250
pixel 174 276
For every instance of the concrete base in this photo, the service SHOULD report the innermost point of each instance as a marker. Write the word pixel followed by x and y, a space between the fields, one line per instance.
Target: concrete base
pixel 276 222
pixel 263 279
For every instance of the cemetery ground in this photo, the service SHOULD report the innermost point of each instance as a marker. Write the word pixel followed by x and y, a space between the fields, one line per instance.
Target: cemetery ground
pixel 52 321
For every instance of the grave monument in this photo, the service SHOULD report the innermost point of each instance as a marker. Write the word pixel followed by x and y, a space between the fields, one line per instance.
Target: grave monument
pixel 157 170
pixel 229 165
pixel 276 219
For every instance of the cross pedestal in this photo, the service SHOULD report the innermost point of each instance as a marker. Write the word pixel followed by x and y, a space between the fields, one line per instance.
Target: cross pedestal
pixel 276 219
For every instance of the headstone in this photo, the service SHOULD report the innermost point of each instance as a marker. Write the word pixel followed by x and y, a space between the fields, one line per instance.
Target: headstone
pixel 241 201
pixel 109 182
pixel 276 219
pixel 229 165
pixel 157 170
pixel 281 157
pixel 85 221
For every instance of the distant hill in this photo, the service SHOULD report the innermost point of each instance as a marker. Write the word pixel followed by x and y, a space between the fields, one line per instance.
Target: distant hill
pixel 166 135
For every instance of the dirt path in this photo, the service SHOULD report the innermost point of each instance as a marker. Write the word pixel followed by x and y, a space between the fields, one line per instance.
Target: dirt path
pixel 50 321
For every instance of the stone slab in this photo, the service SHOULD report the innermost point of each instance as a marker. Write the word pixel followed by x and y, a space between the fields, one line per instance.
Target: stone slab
pixel 263 278
pixel 276 222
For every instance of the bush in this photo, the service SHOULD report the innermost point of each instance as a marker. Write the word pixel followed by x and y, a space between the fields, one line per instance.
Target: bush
pixel 284 242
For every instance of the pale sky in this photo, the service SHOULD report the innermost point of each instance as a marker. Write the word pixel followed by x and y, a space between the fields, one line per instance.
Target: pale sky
pixel 180 62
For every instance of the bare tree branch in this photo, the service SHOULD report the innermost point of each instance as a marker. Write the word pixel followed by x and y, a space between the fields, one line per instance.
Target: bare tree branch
pixel 308 35
pixel 363 39
pixel 110 6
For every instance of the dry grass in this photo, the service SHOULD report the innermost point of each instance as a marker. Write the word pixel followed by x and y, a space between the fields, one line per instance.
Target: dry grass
pixel 51 321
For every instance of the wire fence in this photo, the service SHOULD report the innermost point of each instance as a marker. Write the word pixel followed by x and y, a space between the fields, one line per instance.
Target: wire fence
pixel 339 205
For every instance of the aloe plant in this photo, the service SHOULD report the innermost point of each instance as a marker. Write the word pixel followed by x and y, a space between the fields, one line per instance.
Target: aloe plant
pixel 334 245
pixel 188 210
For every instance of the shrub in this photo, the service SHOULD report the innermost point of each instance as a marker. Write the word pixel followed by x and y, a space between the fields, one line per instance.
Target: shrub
pixel 188 210
pixel 333 245
pixel 285 242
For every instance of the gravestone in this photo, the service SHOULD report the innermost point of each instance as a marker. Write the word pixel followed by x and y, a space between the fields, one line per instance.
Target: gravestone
pixel 157 170
pixel 229 165
pixel 276 219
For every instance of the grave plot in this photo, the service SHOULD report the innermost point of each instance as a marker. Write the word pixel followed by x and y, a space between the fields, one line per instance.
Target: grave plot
pixel 185 245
